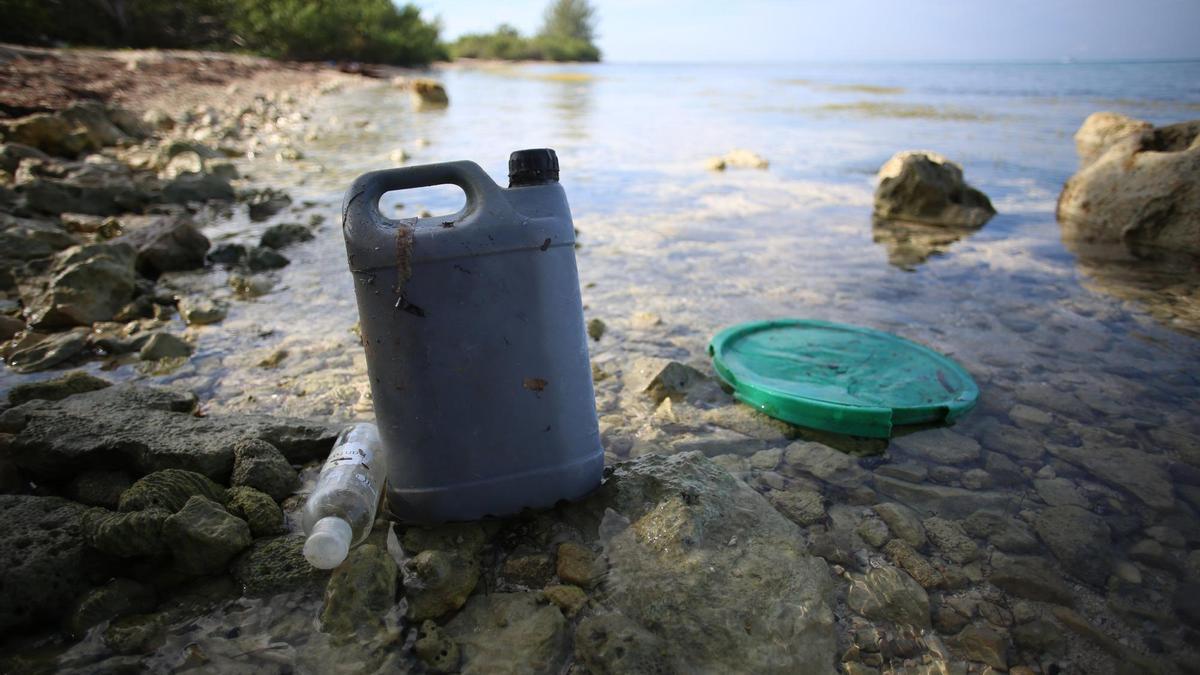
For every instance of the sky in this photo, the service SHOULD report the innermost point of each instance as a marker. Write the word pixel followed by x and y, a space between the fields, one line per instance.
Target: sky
pixel 739 31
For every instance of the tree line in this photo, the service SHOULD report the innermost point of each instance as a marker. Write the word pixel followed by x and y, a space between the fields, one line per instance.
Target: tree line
pixel 373 31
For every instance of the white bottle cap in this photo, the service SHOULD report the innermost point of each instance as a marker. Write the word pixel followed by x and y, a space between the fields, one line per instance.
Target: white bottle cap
pixel 328 543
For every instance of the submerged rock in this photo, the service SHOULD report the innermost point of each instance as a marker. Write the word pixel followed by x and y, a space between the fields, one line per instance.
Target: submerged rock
pixel 438 582
pixel 1138 186
pixel 145 429
pixel 1030 578
pixel 202 311
pixel 83 285
pixel 276 565
pixel 43 557
pixel 925 187
pixel 426 93
pixel 285 234
pixel 203 537
pixel 260 465
pixel 360 591
pixel 1080 540
pixel 117 598
pixel 439 653
pixel 75 382
pixel 889 594
pixel 611 644
pixel 510 633
pixel 35 352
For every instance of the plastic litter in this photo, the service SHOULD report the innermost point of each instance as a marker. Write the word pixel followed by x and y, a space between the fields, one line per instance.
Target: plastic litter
pixel 341 509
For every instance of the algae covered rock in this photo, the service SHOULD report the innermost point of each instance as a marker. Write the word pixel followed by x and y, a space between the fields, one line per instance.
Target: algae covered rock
pixel 257 508
pixel 37 352
pixel 438 582
pixel 275 565
pixel 119 597
pixel 84 284
pixel 360 591
pixel 889 594
pixel 285 234
pixel 43 556
pixel 611 644
pixel 135 634
pixel 203 537
pixel 439 653
pixel 164 346
pixel 75 382
pixel 99 487
pixel 260 465
pixel 126 535
pixel 510 633
pixel 169 489
pixel 1080 540
pixel 925 187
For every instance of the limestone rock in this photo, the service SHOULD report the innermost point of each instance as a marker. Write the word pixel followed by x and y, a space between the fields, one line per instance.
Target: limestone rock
pixel 738 158
pixel 889 594
pixel 907 558
pixel 949 502
pixel 803 507
pixel 577 565
pixel 1141 474
pixel 43 557
pixel 1080 540
pixel 164 346
pixel 360 591
pixel 258 464
pixel 824 463
pixel 164 244
pixel 99 487
pixel 660 378
pixel 925 187
pixel 276 565
pixel 984 644
pixel 145 429
pixel 135 634
pixel 258 509
pixel 951 540
pixel 570 599
pixel 202 311
pixel 438 582
pixel 510 633
pixel 203 537
pixel 1142 191
pixel 1059 492
pixel 1101 130
pixel 439 653
pixel 427 93
pixel 84 284
pixel 117 598
pixel 169 489
pixel 612 644
pixel 74 382
pixel 1004 532
pixel 903 522
pixel 126 535
pixel 38 352
pixel 531 570
pixel 941 445
pixel 1030 578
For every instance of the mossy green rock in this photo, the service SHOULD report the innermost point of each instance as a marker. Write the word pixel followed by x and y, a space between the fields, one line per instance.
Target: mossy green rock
pixel 260 465
pixel 75 382
pixel 126 535
pixel 135 634
pixel 170 489
pixel 43 557
pixel 510 633
pixel 99 487
pixel 204 537
pixel 438 582
pixel 276 564
pixel 360 591
pixel 260 512
pixel 119 597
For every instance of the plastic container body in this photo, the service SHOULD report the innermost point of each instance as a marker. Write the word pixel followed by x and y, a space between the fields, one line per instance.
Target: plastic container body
pixel 347 491
pixel 475 343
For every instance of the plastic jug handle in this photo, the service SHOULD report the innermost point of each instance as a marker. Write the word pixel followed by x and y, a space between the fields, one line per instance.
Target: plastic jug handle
pixel 361 218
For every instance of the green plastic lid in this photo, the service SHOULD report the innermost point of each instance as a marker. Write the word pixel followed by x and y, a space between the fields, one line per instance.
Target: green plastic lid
pixel 846 379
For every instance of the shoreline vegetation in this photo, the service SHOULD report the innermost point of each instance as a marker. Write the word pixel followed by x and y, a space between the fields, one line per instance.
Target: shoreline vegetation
pixel 358 31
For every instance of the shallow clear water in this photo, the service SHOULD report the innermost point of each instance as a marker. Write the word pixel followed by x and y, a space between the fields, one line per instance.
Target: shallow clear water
pixel 1106 356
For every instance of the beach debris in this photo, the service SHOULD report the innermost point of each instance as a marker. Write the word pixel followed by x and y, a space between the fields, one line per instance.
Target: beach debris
pixel 924 187
pixel 737 159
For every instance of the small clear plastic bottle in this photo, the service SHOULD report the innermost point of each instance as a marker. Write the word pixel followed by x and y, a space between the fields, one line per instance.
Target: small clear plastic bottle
pixel 341 509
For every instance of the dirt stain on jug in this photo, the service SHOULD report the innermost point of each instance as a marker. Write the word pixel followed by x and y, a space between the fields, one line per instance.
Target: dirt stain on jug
pixel 534 383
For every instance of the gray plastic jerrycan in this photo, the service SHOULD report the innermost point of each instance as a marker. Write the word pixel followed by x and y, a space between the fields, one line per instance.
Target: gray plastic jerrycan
pixel 475 343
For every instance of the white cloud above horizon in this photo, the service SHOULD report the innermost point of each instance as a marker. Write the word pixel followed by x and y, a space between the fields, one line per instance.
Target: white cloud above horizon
pixel 859 30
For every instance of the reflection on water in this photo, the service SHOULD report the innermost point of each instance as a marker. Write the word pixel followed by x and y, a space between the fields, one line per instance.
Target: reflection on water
pixel 910 244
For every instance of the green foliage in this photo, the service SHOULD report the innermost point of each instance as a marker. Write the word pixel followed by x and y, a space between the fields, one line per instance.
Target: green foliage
pixel 360 30
pixel 567 34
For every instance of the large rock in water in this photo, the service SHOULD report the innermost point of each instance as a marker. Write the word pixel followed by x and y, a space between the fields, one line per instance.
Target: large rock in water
pixel 1141 187
pixel 145 429
pixel 703 562
pixel 925 187
pixel 84 284
pixel 164 243
pixel 43 557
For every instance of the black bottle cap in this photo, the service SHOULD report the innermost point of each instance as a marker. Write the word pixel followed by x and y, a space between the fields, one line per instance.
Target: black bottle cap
pixel 532 167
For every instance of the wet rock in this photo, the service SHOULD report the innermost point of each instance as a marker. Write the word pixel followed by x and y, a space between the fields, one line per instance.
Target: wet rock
pixel 903 522
pixel 99 487
pixel 438 582
pixel 1101 130
pixel 170 489
pixel 1030 578
pixel 38 352
pixel 117 598
pixel 803 507
pixel 197 187
pixel 9 327
pixel 285 234
pixel 360 591
pixel 675 533
pixel 1140 191
pixel 660 378
pixel 976 479
pixel 907 558
pixel 163 244
pixel 510 633
pixel 577 565
pixel 92 118
pixel 874 531
pixel 595 329
pixel 49 133
pixel 612 644
pixel 570 599
pixel 83 285
pixel 925 187
pixel 258 509
pixel 126 535
pixel 135 634
pixel 202 311
pixel 26 239
pixel 906 471
pixel 749 422
pixel 203 537
pixel 739 158
pixel 1059 492
pixel 824 463
pixel 261 259
pixel 275 565
pixel 948 620
pixel 1141 474
pixel 983 644
pixel 1079 539
pixel 1003 532
pixel 103 187
pixel 531 570
pixel 949 537
pixel 439 653
pixel 946 501
pixel 260 465
pixel 164 346
pixel 1153 554
pixel 43 558
pixel 1185 605
pixel 1012 441
pixel 427 93
pixel 11 155
pixel 941 445
pixel 266 202
pixel 889 594
pixel 145 429
pixel 227 254
pixel 75 382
